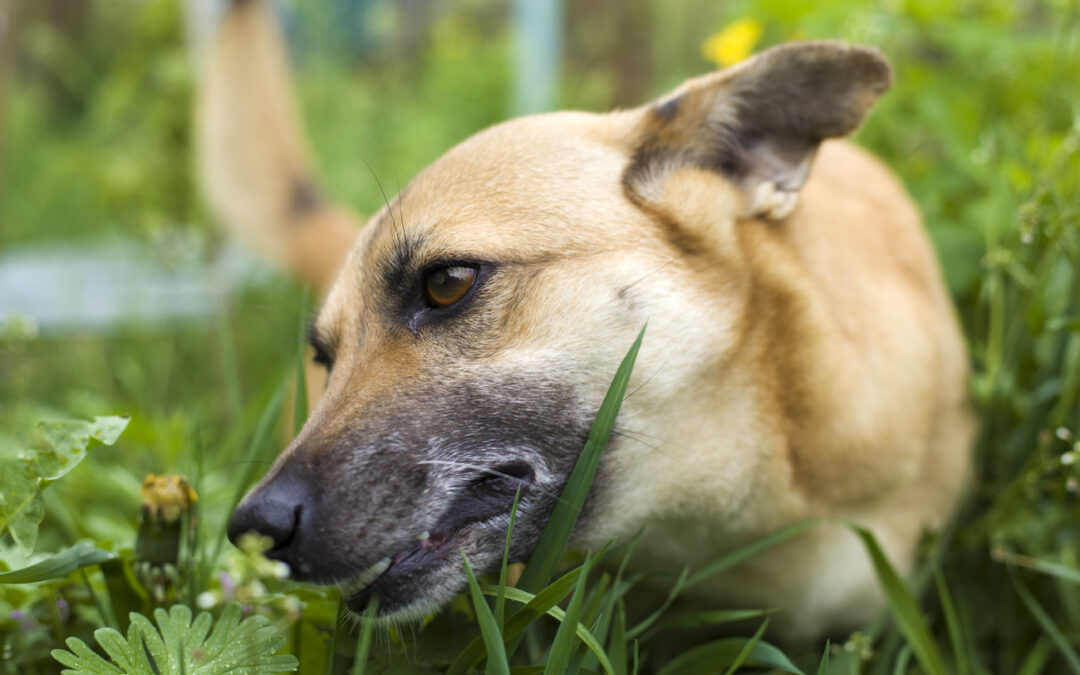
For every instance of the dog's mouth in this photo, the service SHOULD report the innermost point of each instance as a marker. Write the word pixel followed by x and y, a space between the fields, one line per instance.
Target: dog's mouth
pixel 430 564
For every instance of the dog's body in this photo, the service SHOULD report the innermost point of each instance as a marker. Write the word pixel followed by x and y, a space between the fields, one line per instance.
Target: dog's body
pixel 801 359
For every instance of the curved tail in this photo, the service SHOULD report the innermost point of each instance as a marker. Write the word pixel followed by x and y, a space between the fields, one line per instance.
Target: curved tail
pixel 252 156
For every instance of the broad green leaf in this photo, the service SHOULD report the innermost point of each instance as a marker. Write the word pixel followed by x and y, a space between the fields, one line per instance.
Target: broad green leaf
pixel 902 605
pixel 23 477
pixel 58 566
pixel 489 628
pixel 552 543
pixel 179 646
pixel 70 439
pixel 712 656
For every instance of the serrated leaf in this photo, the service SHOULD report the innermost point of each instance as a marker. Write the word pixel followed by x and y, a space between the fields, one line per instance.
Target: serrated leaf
pixel 60 565
pixel 178 645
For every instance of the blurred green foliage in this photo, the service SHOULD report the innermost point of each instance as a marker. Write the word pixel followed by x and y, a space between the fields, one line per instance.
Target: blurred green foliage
pixel 983 126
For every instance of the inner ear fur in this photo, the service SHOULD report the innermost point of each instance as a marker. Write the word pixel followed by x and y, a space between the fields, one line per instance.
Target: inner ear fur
pixel 758 124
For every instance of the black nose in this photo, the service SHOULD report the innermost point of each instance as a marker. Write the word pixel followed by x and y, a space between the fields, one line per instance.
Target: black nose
pixel 275 509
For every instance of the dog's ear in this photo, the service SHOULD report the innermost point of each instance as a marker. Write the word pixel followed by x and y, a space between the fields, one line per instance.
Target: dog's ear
pixel 757 124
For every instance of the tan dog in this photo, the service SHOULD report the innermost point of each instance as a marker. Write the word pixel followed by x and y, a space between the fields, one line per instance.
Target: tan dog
pixel 802 358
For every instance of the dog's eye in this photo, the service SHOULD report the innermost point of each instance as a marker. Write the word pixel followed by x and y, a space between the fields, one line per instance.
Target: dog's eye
pixel 446 285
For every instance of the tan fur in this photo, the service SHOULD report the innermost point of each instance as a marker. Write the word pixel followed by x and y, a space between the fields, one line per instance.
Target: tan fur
pixel 800 366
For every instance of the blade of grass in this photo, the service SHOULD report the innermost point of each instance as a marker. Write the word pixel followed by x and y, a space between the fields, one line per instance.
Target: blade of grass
pixel 500 599
pixel 747 649
pixel 534 608
pixel 1049 627
pixel 335 636
pixel 553 540
pixel 363 645
pixel 711 656
pixel 952 622
pixel 902 605
pixel 823 665
pixel 710 618
pixel 259 440
pixel 565 644
pixel 729 560
pixel 617 644
pixel 300 400
pixel 489 628
pixel 584 634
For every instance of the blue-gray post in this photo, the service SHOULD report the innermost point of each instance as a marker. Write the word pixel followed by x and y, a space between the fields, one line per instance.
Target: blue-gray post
pixel 538 53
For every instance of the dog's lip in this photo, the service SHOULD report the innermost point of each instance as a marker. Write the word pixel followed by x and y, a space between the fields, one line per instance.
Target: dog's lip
pixel 428 552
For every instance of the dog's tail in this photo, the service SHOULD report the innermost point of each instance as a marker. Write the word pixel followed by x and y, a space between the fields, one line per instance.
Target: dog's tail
pixel 252 155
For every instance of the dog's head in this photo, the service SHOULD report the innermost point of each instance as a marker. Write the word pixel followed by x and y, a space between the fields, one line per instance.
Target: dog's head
pixel 479 318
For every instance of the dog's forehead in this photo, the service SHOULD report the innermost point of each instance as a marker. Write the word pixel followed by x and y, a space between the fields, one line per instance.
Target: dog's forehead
pixel 522 190
pixel 533 183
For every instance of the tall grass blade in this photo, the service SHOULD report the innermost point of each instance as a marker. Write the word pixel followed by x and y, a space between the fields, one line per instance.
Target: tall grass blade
pixel 952 622
pixel 489 628
pixel 552 543
pixel 565 643
pixel 300 399
pixel 902 604
pixel 536 606
pixel 500 599
pixel 729 560
pixel 586 636
pixel 747 649
pixel 1049 627
pixel 710 657
pixel 823 665
pixel 259 441
pixel 363 645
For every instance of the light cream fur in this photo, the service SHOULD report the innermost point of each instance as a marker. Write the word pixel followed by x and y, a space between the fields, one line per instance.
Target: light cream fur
pixel 808 364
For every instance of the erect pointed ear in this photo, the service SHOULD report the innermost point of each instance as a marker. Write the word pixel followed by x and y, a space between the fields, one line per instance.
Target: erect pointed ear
pixel 759 123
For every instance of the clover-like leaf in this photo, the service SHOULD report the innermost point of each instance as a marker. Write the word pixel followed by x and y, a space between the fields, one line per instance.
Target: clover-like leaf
pixel 178 645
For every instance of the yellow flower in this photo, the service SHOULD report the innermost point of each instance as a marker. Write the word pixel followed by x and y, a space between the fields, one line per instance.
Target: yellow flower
pixel 733 43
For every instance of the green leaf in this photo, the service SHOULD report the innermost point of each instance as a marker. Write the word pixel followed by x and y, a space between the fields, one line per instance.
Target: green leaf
pixel 747 649
pixel 552 543
pixel 60 565
pixel 363 645
pixel 70 439
pixel 1048 625
pixel 535 601
pixel 710 657
pixel 23 477
pixel 179 645
pixel 489 628
pixel 24 526
pixel 565 644
pixel 902 605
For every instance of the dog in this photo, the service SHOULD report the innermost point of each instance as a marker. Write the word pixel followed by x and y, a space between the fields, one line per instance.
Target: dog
pixel 802 357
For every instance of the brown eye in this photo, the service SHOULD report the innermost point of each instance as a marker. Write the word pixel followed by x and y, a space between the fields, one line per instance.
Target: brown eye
pixel 446 285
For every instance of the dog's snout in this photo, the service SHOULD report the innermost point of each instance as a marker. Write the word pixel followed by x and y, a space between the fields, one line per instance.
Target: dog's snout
pixel 273 510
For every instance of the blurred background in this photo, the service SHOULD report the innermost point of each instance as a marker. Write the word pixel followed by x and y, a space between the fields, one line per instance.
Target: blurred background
pixel 118 295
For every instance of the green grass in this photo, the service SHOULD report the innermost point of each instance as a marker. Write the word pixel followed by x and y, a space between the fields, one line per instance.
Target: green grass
pixel 983 126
